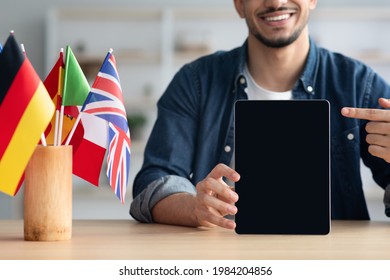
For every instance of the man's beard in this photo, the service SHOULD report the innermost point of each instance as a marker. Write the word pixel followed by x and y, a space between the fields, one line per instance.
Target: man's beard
pixel 279 42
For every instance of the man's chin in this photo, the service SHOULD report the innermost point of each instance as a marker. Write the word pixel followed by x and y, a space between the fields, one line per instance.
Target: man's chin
pixel 276 43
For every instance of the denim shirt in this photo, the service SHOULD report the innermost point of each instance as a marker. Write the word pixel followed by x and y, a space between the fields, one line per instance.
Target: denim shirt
pixel 194 128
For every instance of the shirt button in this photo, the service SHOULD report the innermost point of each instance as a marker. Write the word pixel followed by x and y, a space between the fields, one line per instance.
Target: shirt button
pixel 228 149
pixel 310 89
pixel 350 136
pixel 242 80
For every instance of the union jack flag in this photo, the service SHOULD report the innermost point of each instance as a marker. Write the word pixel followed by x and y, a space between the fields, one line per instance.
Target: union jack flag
pixel 105 100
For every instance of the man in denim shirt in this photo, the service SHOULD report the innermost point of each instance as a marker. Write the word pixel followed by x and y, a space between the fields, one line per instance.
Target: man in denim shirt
pixel 190 152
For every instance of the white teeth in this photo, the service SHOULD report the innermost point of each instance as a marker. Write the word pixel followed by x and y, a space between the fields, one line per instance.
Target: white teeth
pixel 278 18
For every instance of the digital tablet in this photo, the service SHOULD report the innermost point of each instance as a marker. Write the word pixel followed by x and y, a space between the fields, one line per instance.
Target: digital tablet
pixel 282 152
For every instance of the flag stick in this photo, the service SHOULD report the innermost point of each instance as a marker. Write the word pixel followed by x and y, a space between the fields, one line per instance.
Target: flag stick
pixel 59 94
pixel 43 140
pixel 73 129
pixel 60 126
pixel 56 127
pixel 23 49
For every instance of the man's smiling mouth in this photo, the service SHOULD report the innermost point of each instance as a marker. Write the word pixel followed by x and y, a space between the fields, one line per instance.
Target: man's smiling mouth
pixel 277 18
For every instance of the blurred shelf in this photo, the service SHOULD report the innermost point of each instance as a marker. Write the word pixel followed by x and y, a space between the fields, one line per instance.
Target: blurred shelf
pixel 217 13
pixel 376 57
pixel 124 56
pixel 348 13
pixel 107 14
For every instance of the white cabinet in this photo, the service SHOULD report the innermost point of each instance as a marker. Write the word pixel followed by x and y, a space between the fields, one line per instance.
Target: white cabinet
pixel 149 44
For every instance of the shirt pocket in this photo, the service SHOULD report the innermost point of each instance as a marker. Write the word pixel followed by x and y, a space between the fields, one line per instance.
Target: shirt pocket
pixel 345 161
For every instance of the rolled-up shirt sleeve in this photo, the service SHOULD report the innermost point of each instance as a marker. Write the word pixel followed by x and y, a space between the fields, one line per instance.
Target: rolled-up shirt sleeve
pixel 157 190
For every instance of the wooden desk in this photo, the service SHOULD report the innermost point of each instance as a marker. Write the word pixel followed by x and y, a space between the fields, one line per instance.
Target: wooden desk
pixel 124 239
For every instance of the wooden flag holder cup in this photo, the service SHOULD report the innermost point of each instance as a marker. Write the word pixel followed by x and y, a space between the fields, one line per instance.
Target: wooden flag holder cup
pixel 48 194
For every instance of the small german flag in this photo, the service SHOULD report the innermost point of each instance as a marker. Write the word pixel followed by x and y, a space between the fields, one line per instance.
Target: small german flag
pixel 25 111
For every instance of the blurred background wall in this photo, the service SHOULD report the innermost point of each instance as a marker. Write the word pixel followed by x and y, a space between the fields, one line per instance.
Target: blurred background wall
pixel 151 40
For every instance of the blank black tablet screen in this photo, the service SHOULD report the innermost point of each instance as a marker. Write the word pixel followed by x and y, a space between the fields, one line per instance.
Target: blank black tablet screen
pixel 282 154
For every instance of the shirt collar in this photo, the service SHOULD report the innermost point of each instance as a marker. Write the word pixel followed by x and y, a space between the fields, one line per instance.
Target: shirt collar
pixel 309 74
pixel 242 59
pixel 307 78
